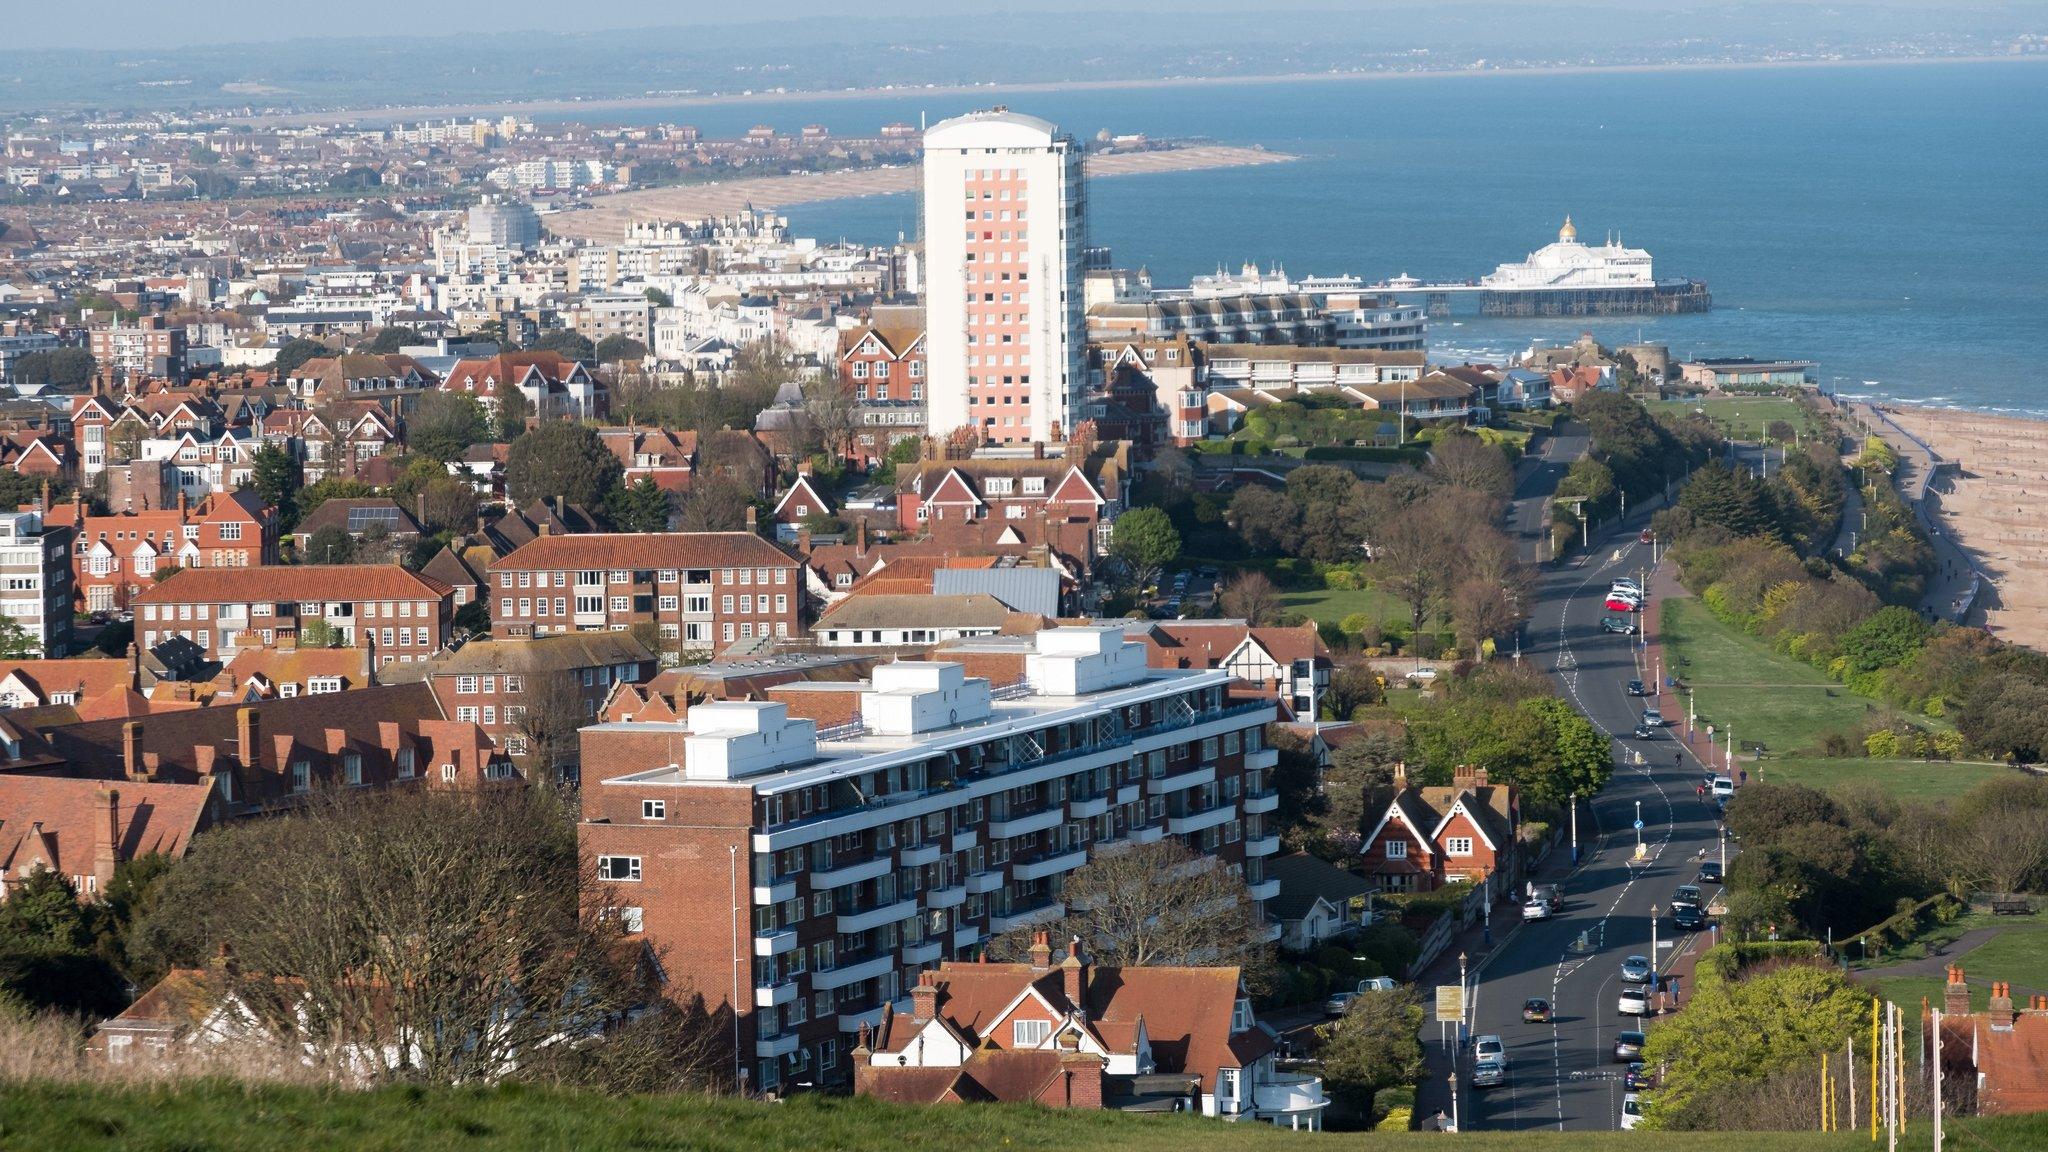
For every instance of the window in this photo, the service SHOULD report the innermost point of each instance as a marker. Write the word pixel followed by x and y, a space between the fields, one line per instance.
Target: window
pixel 618 868
pixel 1397 849
pixel 352 768
pixel 654 809
pixel 465 685
pixel 448 773
pixel 302 776
pixel 630 919
pixel 405 763
pixel 1458 845
pixel 1030 1033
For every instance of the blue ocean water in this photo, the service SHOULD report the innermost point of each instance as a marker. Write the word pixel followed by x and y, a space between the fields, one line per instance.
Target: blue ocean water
pixel 1888 221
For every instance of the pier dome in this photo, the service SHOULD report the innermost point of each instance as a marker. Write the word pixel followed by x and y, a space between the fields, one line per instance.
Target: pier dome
pixel 1568 233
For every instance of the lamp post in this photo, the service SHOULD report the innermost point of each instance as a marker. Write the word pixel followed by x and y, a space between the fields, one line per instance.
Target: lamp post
pixel 1464 994
pixel 1575 829
pixel 1653 952
pixel 1724 852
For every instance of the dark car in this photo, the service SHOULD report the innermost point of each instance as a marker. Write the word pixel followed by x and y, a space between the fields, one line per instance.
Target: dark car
pixel 1635 688
pixel 1710 872
pixel 1643 733
pixel 1688 917
pixel 1619 624
pixel 1635 1077
pixel 1535 1011
pixel 1628 1046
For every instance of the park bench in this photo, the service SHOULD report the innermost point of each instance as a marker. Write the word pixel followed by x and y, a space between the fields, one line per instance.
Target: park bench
pixel 2011 906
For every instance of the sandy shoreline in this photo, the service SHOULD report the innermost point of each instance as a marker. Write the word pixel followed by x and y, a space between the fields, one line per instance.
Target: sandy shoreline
pixel 1995 507
pixel 370 116
pixel 606 220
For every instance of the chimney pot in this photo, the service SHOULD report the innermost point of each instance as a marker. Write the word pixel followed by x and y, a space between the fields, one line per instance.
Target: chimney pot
pixel 131 750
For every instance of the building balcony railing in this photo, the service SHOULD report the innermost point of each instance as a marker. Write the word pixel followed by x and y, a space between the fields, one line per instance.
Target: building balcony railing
pixel 1264 800
pixel 1182 781
pixel 1262 845
pixel 1197 821
pixel 1026 824
pixel 1148 833
pixel 982 883
pixel 923 952
pixel 778 891
pixel 839 976
pixel 863 919
pixel 1285 1095
pixel 775 943
pixel 1264 889
pixel 951 896
pixel 1001 922
pixel 1129 793
pixel 1271 932
pixel 769 1047
pixel 1050 864
pixel 1083 808
pixel 1262 760
pixel 920 855
pixel 852 873
pixel 771 995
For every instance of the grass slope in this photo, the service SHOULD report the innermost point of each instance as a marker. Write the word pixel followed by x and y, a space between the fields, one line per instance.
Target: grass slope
pixel 200 1118
pixel 1739 681
pixel 1743 417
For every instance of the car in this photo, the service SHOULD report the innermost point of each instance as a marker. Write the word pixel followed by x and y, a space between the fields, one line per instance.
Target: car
pixel 1710 872
pixel 1688 917
pixel 1686 894
pixel 1489 1073
pixel 1645 536
pixel 1631 1111
pixel 1635 688
pixel 1723 788
pixel 1652 718
pixel 1636 969
pixel 1336 1005
pixel 1620 624
pixel 1628 1046
pixel 1637 1077
pixel 1642 733
pixel 1536 909
pixel 1426 675
pixel 1489 1047
pixel 1617 604
pixel 1633 1002
pixel 1624 584
pixel 1535 1011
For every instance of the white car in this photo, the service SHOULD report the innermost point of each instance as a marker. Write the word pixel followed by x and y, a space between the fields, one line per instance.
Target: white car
pixel 1632 586
pixel 1634 1002
pixel 1537 909
pixel 1723 788
pixel 1631 1111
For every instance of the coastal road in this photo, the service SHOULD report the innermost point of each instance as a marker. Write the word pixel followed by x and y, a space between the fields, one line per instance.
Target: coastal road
pixel 1536 478
pixel 1561 1074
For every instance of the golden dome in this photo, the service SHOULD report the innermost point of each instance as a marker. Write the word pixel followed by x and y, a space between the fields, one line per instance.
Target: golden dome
pixel 1567 233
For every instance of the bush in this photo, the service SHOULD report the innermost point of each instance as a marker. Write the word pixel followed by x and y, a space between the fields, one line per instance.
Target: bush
pixel 1393 1109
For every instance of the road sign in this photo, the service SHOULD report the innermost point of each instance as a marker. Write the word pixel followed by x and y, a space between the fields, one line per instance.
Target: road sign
pixel 1639 825
pixel 1450 1003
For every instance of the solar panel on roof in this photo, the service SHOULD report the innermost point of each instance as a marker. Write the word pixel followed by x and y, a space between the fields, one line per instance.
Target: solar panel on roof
pixel 360 519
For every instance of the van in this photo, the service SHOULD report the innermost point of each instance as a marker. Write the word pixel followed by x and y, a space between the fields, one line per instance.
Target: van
pixel 1723 788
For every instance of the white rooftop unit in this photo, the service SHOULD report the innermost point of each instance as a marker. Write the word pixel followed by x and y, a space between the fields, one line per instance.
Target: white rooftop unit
pixel 912 696
pixel 1078 660
pixel 732 739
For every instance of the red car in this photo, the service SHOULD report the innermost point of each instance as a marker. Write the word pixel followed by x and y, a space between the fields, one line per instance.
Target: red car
pixel 1645 536
pixel 1615 604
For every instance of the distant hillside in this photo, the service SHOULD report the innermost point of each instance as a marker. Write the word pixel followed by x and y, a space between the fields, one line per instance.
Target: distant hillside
pixel 232 1119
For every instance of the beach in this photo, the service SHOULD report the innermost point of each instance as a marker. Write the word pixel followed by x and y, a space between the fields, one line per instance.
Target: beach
pixel 606 219
pixel 1994 504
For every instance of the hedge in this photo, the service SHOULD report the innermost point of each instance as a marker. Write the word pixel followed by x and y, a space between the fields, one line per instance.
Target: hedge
pixel 1414 456
pixel 1395 1108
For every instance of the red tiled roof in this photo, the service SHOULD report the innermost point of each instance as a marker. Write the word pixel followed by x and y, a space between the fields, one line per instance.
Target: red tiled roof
pixel 294 582
pixel 150 817
pixel 646 550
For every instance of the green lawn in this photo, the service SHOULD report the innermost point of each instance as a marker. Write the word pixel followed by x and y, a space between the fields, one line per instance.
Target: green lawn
pixel 1738 681
pixel 1329 605
pixel 208 1117
pixel 1742 417
pixel 2018 956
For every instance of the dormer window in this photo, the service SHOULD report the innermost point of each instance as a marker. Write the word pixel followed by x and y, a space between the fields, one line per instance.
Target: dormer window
pixel 1030 1033
pixel 1034 485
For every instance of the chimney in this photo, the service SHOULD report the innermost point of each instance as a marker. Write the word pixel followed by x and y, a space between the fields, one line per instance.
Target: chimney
pixel 1041 951
pixel 1955 998
pixel 248 729
pixel 1080 1080
pixel 1074 977
pixel 1479 777
pixel 369 669
pixel 44 506
pixel 134 667
pixel 184 506
pixel 924 999
pixel 860 536
pixel 753 520
pixel 419 509
pixel 863 1057
pixel 131 750
pixel 1463 779
pixel 559 505
pixel 803 541
pixel 1038 449
pixel 1400 775
pixel 106 841
pixel 2000 1009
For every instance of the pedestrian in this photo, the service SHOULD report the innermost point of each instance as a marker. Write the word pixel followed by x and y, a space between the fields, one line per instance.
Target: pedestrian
pixel 1744 774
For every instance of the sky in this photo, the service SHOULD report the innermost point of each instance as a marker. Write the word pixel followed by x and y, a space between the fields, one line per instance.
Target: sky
pixel 132 24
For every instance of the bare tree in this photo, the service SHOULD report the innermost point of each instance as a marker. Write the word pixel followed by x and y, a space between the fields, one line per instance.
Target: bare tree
pixel 831 415
pixel 1416 559
pixel 550 711
pixel 1463 460
pixel 1998 835
pixel 1251 598
pixel 1480 611
pixel 1155 904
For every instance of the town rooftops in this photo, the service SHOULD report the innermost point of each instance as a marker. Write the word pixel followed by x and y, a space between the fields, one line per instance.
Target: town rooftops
pixel 539 654
pixel 60 821
pixel 604 550
pixel 289 582
pixel 886 610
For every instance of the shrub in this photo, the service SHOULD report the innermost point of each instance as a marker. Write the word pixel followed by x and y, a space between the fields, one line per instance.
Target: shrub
pixel 1882 744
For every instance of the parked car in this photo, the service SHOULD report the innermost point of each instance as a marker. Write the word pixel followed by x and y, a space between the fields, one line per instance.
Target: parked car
pixel 1628 1046
pixel 1633 1002
pixel 1636 969
pixel 1710 872
pixel 1489 1073
pixel 1624 584
pixel 1535 908
pixel 1535 1011
pixel 1631 1111
pixel 1636 1077
pixel 1339 1002
pixel 1619 624
pixel 1723 788
pixel 1620 604
pixel 1489 1047
pixel 1635 688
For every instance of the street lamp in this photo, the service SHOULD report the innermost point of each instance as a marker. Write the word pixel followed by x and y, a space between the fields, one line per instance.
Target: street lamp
pixel 1653 950
pixel 1575 829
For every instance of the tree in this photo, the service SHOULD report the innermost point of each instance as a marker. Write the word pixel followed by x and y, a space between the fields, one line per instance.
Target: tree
pixel 1251 598
pixel 1887 639
pixel 1174 471
pixel 619 346
pixel 658 298
pixel 313 495
pixel 417 978
pixel 1335 513
pixel 1376 1044
pixel 1264 519
pixel 550 712
pixel 718 506
pixel 57 369
pixel 567 343
pixel 44 910
pixel 639 507
pixel 275 476
pixel 1999 835
pixel 389 340
pixel 1463 460
pixel 2006 714
pixel 560 459
pixel 512 410
pixel 442 424
pixel 1481 611
pixel 1155 904
pixel 294 353
pixel 448 505
pixel 46 955
pixel 1416 560
pixel 16 642
pixel 1577 758
pixel 360 178
pixel 1352 686
pixel 1144 541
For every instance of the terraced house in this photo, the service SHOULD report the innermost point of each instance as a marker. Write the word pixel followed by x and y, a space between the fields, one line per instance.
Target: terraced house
pixel 806 855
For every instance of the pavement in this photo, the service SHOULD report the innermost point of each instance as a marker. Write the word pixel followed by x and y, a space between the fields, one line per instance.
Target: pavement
pixel 1957 573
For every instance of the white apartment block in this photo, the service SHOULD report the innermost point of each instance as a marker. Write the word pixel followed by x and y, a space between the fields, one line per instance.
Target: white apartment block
pixel 1004 221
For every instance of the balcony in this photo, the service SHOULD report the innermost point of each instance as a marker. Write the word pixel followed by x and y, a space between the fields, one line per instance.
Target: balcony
pixel 854 1021
pixel 852 873
pixel 962 841
pixel 1079 809
pixel 949 897
pixel 1197 821
pixel 1129 793
pixel 1265 759
pixel 769 1047
pixel 771 995
pixel 875 917
pixel 921 855
pixel 775 891
pixel 1049 865
pixel 1148 834
pixel 982 883
pixel 1271 932
pixel 1025 825
pixel 1185 780
pixel 927 952
pixel 827 979
pixel 775 943
pixel 1289 1096
pixel 1262 845
pixel 1264 889
pixel 999 923
pixel 1266 801
pixel 966 936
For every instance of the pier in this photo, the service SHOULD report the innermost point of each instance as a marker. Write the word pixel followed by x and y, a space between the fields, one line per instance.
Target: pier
pixel 1665 298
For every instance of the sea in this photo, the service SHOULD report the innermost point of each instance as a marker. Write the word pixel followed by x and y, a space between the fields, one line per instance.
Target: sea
pixel 1889 222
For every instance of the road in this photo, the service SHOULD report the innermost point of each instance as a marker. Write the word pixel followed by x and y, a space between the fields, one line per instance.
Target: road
pixel 1561 1074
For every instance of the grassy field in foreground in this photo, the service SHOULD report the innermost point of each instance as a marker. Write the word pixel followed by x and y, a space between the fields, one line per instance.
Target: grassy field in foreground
pixel 1742 417
pixel 207 1117
pixel 1737 680
pixel 1330 605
